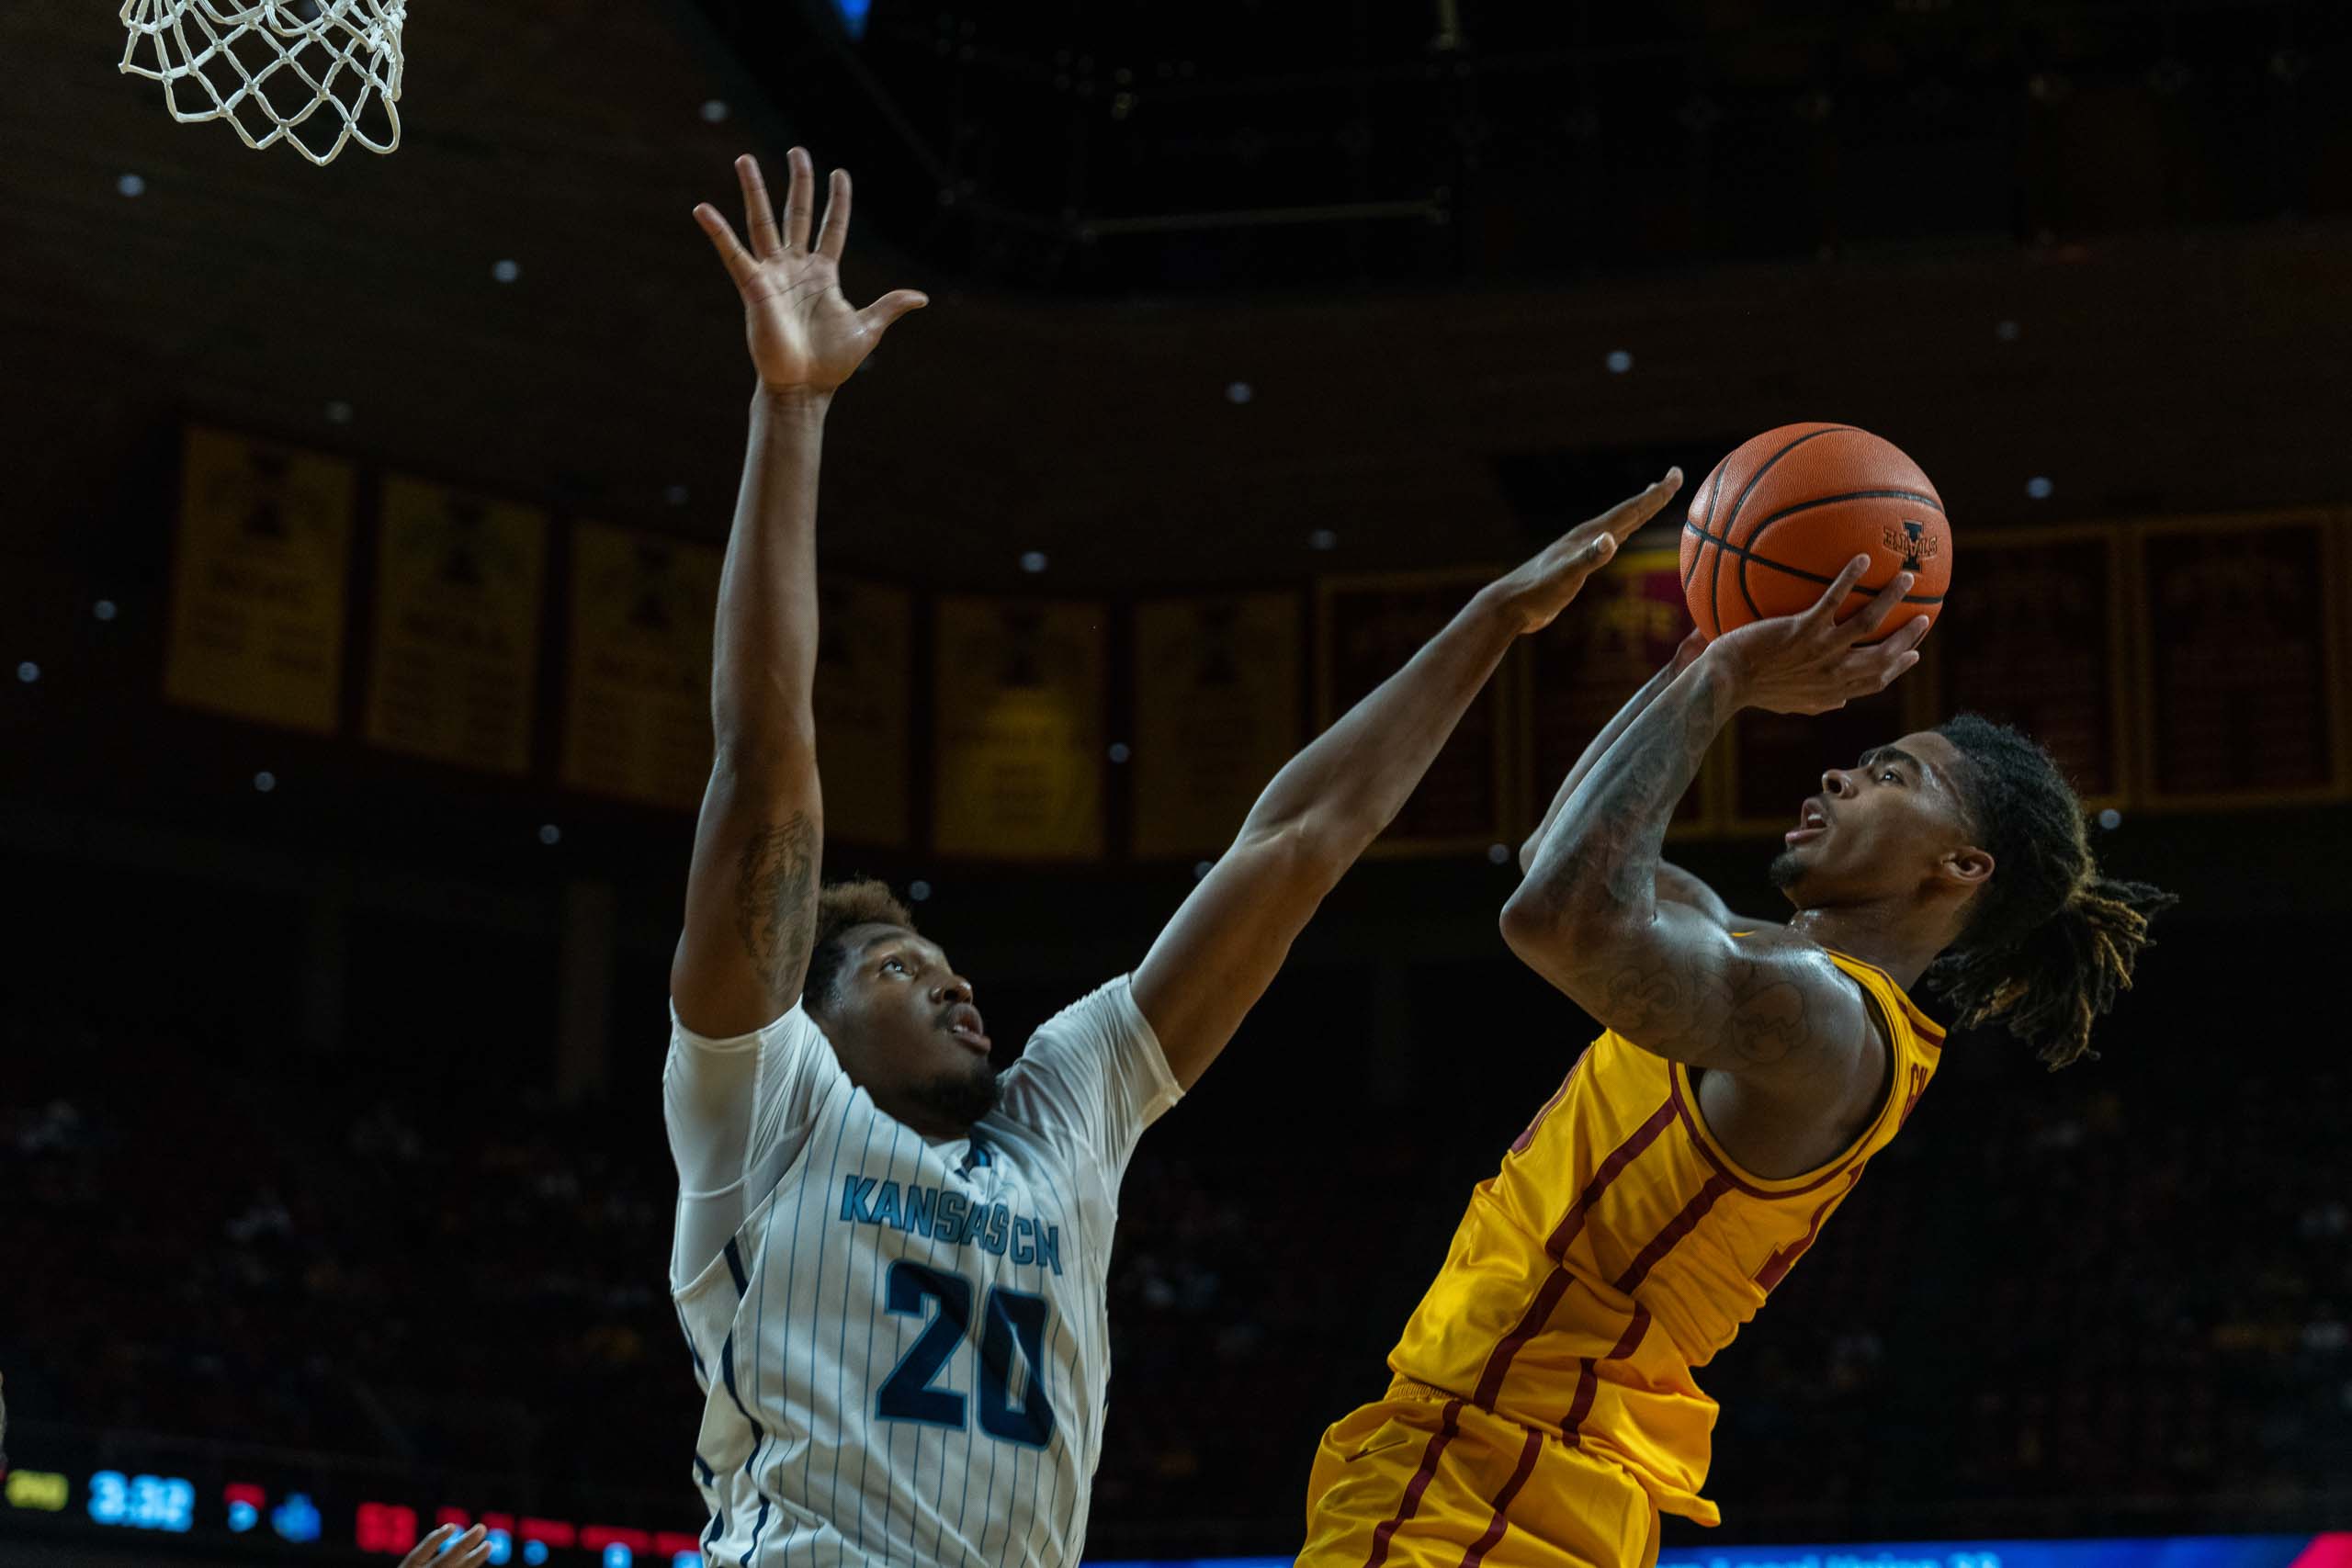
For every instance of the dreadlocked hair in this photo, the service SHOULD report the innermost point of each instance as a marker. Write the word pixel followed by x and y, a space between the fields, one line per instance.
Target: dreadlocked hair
pixel 862 902
pixel 2051 941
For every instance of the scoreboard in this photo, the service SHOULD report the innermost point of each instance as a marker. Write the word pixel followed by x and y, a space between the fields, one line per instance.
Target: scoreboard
pixel 302 1520
pixel 323 1513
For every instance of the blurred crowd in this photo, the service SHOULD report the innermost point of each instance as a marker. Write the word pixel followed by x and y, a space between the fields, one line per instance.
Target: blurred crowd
pixel 2129 1289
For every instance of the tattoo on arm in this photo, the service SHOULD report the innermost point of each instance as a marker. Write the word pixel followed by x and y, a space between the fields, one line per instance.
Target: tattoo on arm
pixel 1664 976
pixel 1604 851
pixel 1751 1007
pixel 775 903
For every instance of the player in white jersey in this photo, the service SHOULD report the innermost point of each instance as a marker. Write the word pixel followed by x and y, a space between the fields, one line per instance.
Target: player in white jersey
pixel 890 1260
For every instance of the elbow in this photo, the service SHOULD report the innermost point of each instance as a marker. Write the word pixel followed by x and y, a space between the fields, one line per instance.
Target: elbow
pixel 766 751
pixel 1299 852
pixel 1532 925
pixel 1539 926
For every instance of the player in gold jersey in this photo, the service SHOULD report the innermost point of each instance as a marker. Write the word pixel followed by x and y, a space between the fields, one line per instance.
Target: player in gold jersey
pixel 1544 1409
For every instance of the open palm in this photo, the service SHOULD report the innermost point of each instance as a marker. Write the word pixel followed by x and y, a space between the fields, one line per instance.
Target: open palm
pixel 804 334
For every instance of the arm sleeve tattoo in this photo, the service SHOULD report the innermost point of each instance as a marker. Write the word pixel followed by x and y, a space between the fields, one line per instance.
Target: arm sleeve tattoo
pixel 1662 974
pixel 775 902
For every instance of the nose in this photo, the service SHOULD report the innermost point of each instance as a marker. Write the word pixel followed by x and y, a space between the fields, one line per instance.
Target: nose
pixel 1838 784
pixel 957 991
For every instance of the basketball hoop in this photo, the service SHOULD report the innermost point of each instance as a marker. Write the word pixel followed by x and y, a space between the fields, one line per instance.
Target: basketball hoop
pixel 270 66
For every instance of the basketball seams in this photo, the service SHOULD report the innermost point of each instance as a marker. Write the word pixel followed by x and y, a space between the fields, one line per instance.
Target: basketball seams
pixel 1748 549
pixel 1714 576
pixel 1715 493
pixel 1798 571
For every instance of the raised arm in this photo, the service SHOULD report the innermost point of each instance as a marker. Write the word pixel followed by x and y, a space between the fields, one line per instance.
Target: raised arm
pixel 752 890
pixel 1215 958
pixel 1590 918
pixel 1673 881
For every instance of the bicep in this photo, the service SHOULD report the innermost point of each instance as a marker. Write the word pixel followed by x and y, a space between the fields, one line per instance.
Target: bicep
pixel 1680 986
pixel 1681 887
pixel 1213 961
pixel 750 899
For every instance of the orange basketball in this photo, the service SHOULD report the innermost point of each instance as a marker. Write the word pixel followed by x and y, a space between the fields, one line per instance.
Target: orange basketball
pixel 1781 517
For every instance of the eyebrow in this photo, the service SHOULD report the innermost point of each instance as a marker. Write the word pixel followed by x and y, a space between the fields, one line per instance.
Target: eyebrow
pixel 1878 754
pixel 907 943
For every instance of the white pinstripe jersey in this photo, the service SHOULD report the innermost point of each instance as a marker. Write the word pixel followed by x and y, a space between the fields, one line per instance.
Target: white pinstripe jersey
pixel 904 1350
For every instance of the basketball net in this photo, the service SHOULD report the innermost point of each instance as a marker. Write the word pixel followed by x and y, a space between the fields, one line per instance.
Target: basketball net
pixel 271 67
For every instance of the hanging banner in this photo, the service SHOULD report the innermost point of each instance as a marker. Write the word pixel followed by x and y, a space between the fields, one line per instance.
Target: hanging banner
pixel 1622 628
pixel 1017 751
pixel 259 582
pixel 454 670
pixel 2238 659
pixel 2037 640
pixel 636 719
pixel 1369 628
pixel 1218 713
pixel 865 676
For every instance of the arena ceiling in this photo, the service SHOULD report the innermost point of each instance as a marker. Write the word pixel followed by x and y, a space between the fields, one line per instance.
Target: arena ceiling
pixel 1417 392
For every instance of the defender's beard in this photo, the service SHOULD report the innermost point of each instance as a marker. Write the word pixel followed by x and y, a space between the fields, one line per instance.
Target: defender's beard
pixel 1785 872
pixel 960 1098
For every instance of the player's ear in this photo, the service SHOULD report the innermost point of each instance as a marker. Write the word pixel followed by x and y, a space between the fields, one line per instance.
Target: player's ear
pixel 1967 866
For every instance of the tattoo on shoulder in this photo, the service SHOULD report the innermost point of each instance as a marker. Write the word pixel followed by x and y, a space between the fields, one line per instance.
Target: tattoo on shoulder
pixel 776 904
pixel 1751 1006
pixel 1767 1022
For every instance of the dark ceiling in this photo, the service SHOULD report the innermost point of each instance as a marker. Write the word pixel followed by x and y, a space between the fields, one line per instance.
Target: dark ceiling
pixel 1166 148
pixel 1657 182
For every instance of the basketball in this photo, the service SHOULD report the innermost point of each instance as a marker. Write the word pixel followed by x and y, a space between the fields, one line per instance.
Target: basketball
pixel 1783 514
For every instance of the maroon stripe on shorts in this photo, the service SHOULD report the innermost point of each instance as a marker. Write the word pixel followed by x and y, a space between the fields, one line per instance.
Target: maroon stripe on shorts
pixel 1415 1487
pixel 1588 1380
pixel 1555 1284
pixel 1494 1532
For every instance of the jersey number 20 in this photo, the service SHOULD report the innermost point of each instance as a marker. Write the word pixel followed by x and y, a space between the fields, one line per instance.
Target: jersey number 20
pixel 1008 1316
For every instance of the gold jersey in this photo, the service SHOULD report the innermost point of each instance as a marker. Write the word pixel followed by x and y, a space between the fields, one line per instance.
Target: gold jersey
pixel 1619 1248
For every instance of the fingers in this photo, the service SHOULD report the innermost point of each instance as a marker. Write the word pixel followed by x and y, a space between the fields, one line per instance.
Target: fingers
pixel 877 317
pixel 1882 605
pixel 445 1548
pixel 1871 670
pixel 732 255
pixel 834 233
pixel 1622 521
pixel 799 200
pixel 1824 609
pixel 757 213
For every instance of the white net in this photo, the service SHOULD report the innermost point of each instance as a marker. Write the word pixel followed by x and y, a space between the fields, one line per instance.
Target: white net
pixel 316 73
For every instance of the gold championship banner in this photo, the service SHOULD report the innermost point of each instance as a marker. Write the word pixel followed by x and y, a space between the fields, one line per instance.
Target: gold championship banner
pixel 259 582
pixel 1218 712
pixel 865 678
pixel 2238 659
pixel 637 720
pixel 1624 627
pixel 455 666
pixel 2038 640
pixel 1018 748
pixel 1369 628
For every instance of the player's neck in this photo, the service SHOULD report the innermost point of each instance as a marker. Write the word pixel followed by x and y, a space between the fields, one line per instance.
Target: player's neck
pixel 1902 942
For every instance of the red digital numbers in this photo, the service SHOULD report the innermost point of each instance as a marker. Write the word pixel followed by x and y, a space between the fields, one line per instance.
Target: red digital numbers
pixel 386 1528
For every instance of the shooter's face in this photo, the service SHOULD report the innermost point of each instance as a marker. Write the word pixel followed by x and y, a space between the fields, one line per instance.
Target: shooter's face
pixel 1879 830
pixel 903 1026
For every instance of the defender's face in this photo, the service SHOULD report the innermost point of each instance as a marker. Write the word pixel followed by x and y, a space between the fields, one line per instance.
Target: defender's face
pixel 903 1022
pixel 1878 828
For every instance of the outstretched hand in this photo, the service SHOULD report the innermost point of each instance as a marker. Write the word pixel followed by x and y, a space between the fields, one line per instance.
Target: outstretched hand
pixel 805 335
pixel 1814 662
pixel 445 1548
pixel 1543 587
